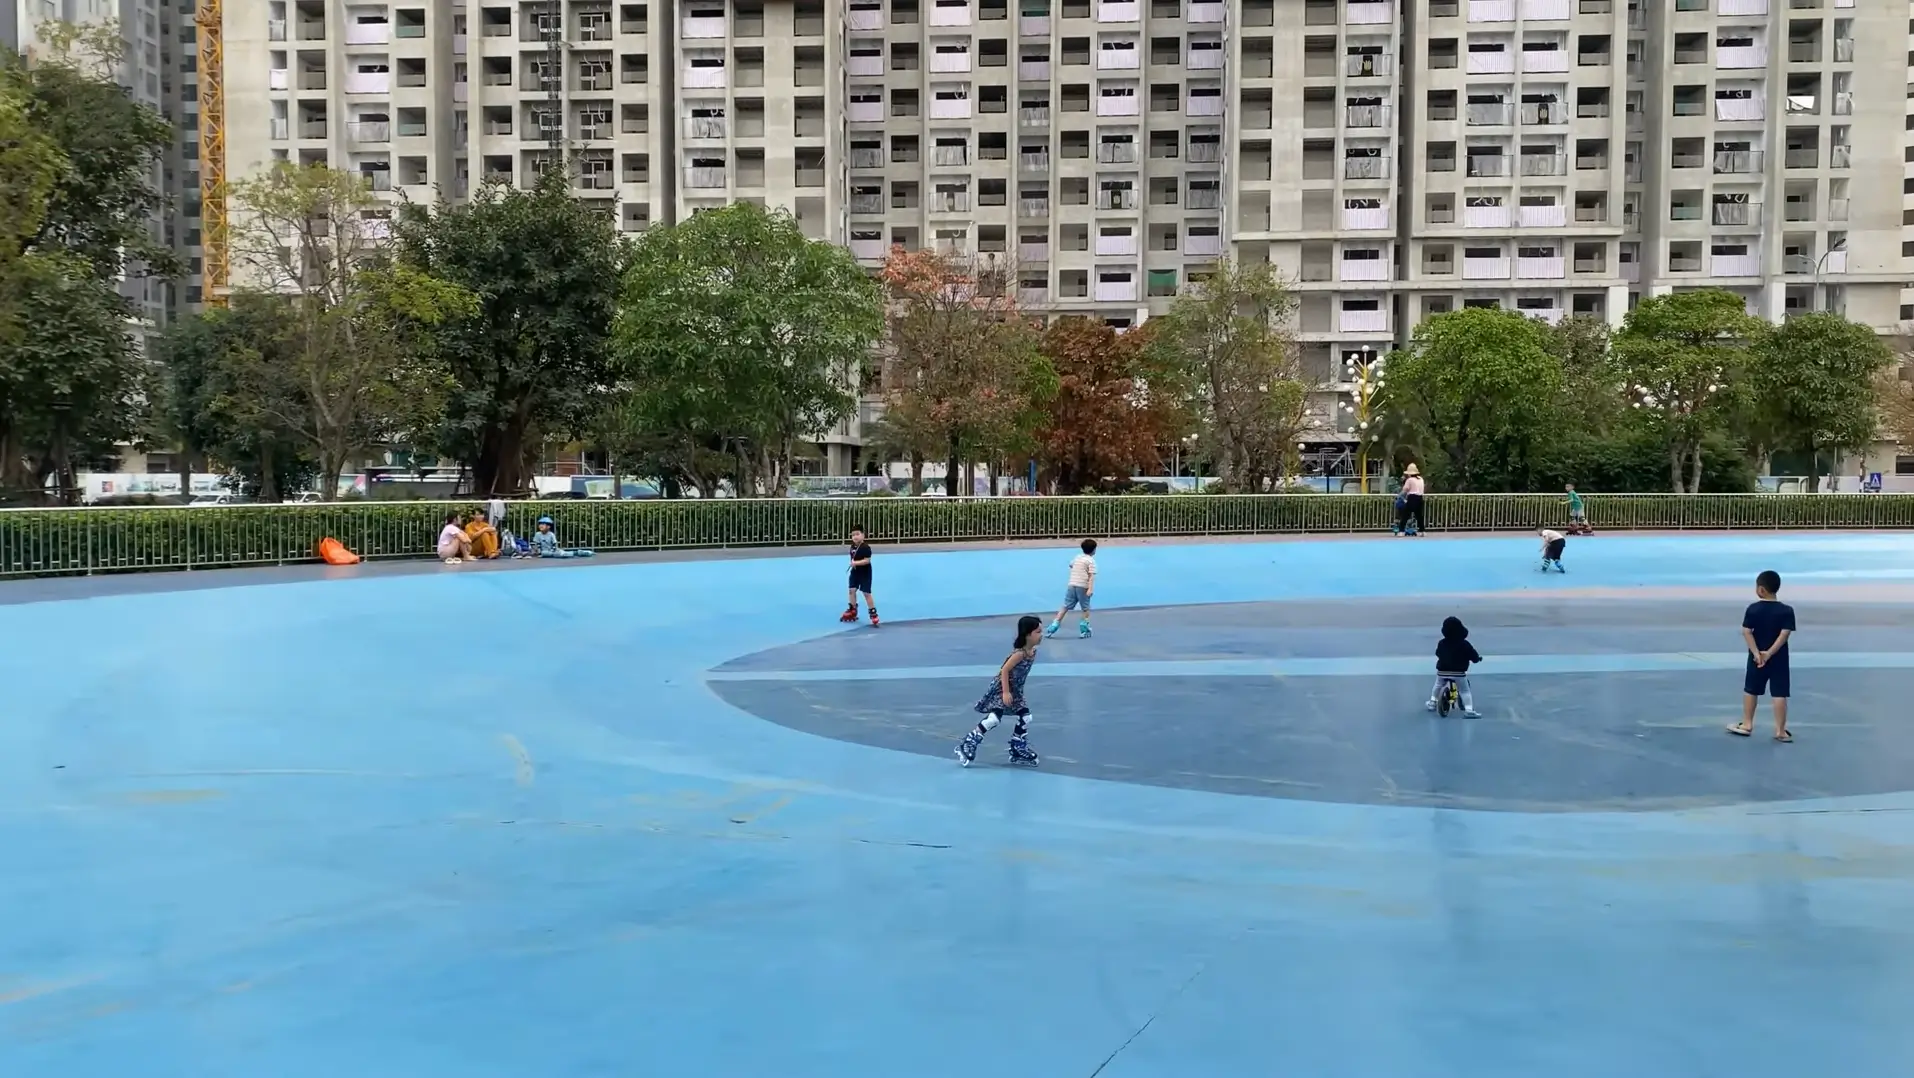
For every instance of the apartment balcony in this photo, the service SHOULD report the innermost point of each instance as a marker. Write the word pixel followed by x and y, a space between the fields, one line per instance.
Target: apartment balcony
pixel 1590 267
pixel 951 248
pixel 701 26
pixel 864 65
pixel 1205 198
pixel 1116 153
pixel 1739 214
pixel 1115 291
pixel 1491 10
pixel 950 108
pixel 704 78
pixel 1368 65
pixel 1033 70
pixel 1204 59
pixel 1554 216
pixel 1365 218
pixel 1684 263
pixel 1036 164
pixel 1123 105
pixel 1034 252
pixel 312 29
pixel 1033 25
pixel 864 18
pixel 1835 262
pixel 379 179
pixel 1548 268
pixel 1551 315
pixel 1488 114
pixel 368 82
pixel 950 63
pixel 1741 7
pixel 1366 116
pixel 1118 60
pixel 1630 272
pixel 1544 61
pixel 1033 118
pixel 1544 113
pixel 1033 297
pixel 712 127
pixel 810 177
pixel 1843 50
pixel 1805 157
pixel 1491 63
pixel 369 132
pixel 1363 269
pixel 1204 12
pixel 867 249
pixel 1204 153
pixel 1839 156
pixel 275 29
pixel 1362 321
pixel 368 33
pixel 942 14
pixel 1837 209
pixel 1485 216
pixel 950 156
pixel 1741 57
pixel 1485 269
pixel 1365 168
pixel 1738 162
pixel 1120 199
pixel 281 128
pixel 1482 166
pixel 1539 164
pixel 1035 209
pixel 864 112
pixel 1841 104
pixel 948 202
pixel 1547 10
pixel 1734 265
pixel 277 78
pixel 1116 245
pixel 1368 13
pixel 1119 11
pixel 867 203
pixel 1203 245
pixel 312 130
pixel 1204 105
pixel 704 177
pixel 1741 109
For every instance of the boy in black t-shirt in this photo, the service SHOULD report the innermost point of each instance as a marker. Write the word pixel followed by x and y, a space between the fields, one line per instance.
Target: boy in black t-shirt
pixel 1765 628
pixel 860 578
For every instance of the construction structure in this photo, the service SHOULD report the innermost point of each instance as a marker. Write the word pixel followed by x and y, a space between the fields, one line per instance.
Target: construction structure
pixel 216 257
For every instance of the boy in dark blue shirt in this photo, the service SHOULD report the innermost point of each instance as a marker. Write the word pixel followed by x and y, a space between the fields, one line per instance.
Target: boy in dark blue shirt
pixel 1765 628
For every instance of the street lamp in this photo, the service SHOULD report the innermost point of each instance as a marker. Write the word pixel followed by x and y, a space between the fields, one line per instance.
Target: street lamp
pixel 1369 379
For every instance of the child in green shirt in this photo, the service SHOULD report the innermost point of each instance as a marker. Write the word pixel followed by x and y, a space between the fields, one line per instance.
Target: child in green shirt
pixel 1577 513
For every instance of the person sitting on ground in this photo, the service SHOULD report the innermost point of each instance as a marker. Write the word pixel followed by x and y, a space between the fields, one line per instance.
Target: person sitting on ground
pixel 484 537
pixel 545 542
pixel 454 545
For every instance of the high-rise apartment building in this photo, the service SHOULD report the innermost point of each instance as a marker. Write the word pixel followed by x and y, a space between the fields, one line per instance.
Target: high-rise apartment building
pixel 1395 158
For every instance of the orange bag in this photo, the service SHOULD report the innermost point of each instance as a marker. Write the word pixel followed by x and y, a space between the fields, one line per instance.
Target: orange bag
pixel 333 552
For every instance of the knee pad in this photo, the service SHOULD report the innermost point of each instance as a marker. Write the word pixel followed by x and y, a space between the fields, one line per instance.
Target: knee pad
pixel 1023 724
pixel 990 721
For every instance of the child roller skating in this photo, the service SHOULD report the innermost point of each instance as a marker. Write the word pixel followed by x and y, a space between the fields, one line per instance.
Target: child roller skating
pixel 1577 514
pixel 860 579
pixel 1005 696
pixel 1553 543
pixel 1083 585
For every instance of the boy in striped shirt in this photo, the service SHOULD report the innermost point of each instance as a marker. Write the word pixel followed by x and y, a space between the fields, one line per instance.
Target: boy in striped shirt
pixel 1083 584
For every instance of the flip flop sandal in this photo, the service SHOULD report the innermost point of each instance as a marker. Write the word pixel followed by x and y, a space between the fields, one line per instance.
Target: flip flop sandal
pixel 1741 731
pixel 1784 737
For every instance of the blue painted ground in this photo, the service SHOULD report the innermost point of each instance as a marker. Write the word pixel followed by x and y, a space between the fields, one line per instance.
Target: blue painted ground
pixel 482 824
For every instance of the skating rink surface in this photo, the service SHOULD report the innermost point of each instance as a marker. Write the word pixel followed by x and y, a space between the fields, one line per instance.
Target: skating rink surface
pixel 669 818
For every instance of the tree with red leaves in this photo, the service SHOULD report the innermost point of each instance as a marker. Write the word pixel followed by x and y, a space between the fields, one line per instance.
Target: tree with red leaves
pixel 1103 423
pixel 963 376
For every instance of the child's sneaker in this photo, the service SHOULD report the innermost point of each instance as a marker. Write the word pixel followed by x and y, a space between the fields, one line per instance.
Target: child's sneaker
pixel 849 614
pixel 1052 630
pixel 967 748
pixel 1430 706
pixel 1020 752
pixel 1471 714
pixel 1083 630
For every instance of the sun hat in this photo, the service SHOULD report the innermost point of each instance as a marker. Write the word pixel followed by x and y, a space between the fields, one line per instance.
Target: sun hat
pixel 1411 470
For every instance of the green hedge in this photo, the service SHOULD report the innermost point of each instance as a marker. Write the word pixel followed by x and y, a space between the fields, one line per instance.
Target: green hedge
pixel 51 541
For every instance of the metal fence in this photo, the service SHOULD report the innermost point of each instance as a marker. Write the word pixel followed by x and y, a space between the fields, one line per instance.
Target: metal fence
pixel 42 542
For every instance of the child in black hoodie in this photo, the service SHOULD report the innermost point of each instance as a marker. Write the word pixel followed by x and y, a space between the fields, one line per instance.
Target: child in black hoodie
pixel 1454 653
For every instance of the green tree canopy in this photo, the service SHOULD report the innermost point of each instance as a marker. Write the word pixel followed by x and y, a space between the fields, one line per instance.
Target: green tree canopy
pixel 738 338
pixel 1814 385
pixel 531 359
pixel 1683 357
pixel 1476 389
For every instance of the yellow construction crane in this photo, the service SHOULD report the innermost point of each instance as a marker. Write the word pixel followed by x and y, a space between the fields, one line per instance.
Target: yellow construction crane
pixel 214 263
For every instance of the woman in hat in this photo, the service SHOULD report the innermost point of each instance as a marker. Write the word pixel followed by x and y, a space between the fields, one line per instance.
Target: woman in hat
pixel 1409 504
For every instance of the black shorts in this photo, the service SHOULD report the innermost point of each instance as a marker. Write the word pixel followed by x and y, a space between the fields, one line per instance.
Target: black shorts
pixel 1771 679
pixel 1554 550
pixel 861 580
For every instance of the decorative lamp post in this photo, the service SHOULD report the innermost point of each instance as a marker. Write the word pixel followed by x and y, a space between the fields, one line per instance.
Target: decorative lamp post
pixel 1369 379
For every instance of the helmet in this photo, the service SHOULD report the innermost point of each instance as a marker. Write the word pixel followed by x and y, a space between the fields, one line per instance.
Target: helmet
pixel 546 520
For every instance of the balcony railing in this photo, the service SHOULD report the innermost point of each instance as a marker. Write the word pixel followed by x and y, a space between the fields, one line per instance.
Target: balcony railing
pixel 1116 153
pixel 369 131
pixel 704 176
pixel 1033 162
pixel 1119 11
pixel 1033 25
pixel 1368 13
pixel 1365 168
pixel 1365 218
pixel 1368 65
pixel 1208 244
pixel 1033 70
pixel 1491 10
pixel 1837 209
pixel 1737 162
pixel 1590 267
pixel 1204 12
pixel 1500 62
pixel 1543 268
pixel 1741 57
pixel 1496 216
pixel 1553 164
pixel 1203 198
pixel 704 77
pixel 866 202
pixel 1036 118
pixel 1544 61
pixel 950 156
pixel 1843 50
pixel 1488 114
pixel 1486 165
pixel 948 202
pixel 1839 156
pixel 1485 269
pixel 1546 10
pixel 867 249
pixel 1035 208
pixel 1364 116
pixel 1734 265
pixel 1736 213
pixel 864 18
pixel 1808 157
pixel 1550 216
pixel 1363 269
pixel 1543 113
pixel 281 127
pixel 1742 7
pixel 1740 109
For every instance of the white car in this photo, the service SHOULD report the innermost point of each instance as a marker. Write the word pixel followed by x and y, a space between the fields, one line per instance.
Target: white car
pixel 215 499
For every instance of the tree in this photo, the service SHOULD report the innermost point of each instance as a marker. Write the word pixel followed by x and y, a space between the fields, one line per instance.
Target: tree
pixel 1103 421
pixel 207 408
pixel 1814 385
pixel 1477 388
pixel 963 370
pixel 532 357
pixel 741 337
pixel 356 370
pixel 1226 353
pixel 1682 357
pixel 78 164
pixel 1894 396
